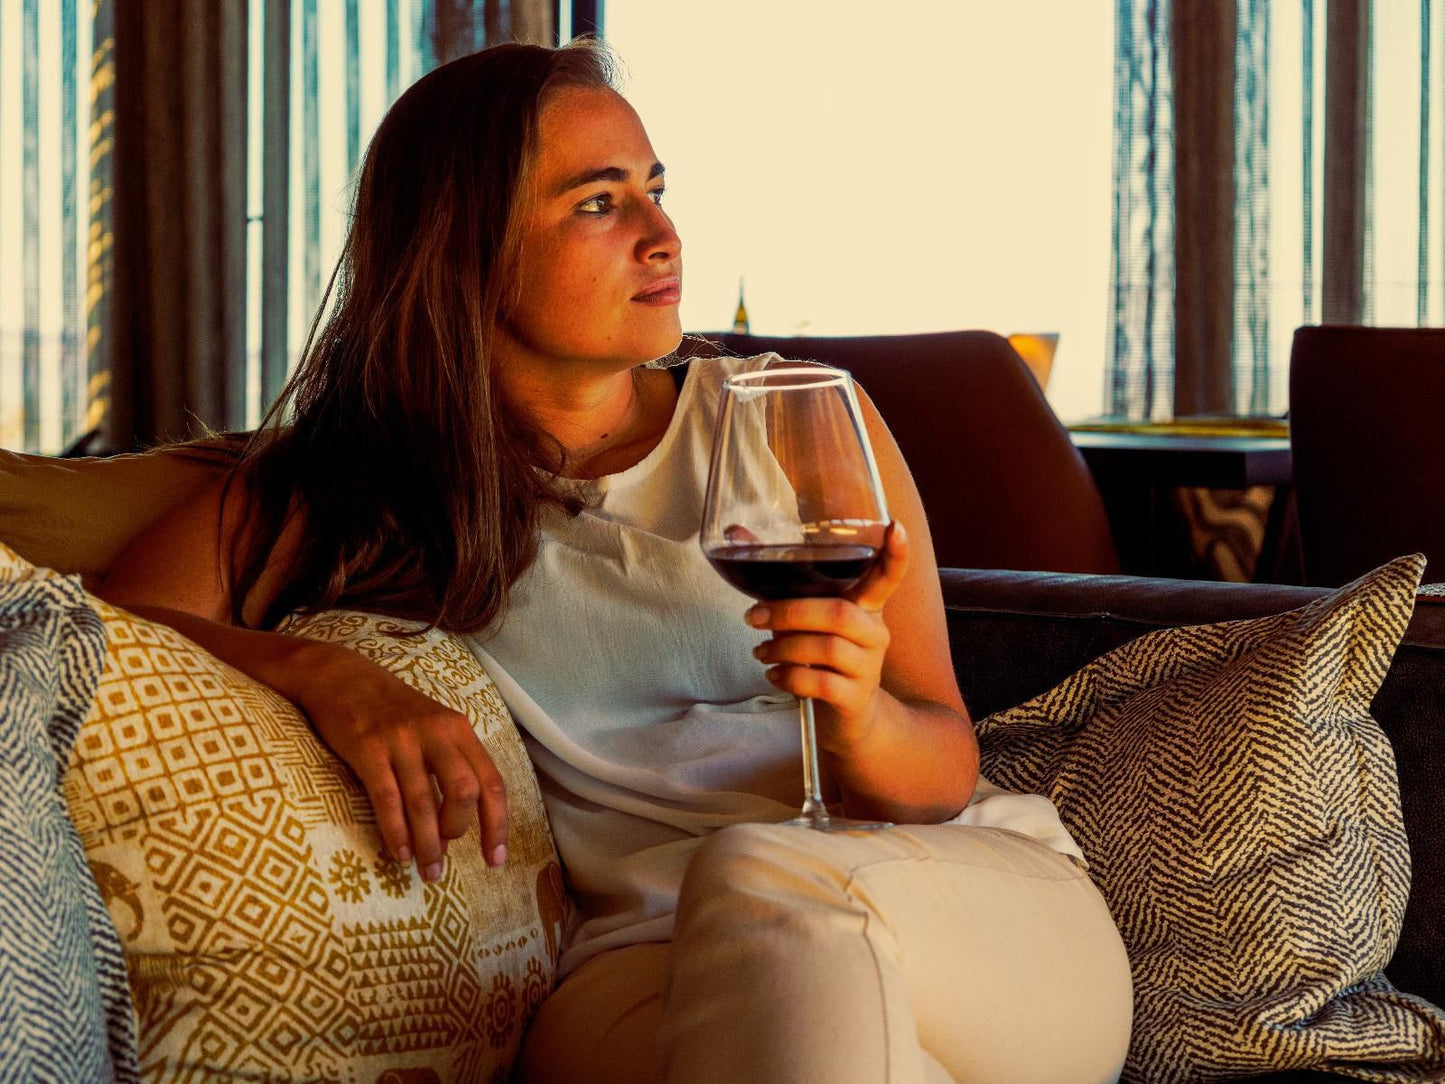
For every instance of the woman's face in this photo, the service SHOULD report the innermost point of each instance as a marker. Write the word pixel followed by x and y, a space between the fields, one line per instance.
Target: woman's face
pixel 600 275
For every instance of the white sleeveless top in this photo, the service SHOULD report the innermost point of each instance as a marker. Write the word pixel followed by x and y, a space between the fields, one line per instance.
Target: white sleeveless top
pixel 624 658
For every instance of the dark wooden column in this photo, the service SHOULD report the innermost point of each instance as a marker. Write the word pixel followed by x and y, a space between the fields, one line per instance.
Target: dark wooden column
pixel 275 199
pixel 1347 96
pixel 1202 41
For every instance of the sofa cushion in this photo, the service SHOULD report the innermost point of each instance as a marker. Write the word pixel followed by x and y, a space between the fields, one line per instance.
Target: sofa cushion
pixel 1239 810
pixel 67 1012
pixel 265 932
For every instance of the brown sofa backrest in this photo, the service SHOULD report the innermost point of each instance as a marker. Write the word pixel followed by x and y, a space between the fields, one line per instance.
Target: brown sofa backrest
pixel 1002 484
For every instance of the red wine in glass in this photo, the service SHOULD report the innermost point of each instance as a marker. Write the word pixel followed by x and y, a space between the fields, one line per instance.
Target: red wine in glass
pixel 784 571
pixel 794 508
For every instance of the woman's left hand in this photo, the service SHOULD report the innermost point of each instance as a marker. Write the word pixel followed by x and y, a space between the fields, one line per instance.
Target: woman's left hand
pixel 832 649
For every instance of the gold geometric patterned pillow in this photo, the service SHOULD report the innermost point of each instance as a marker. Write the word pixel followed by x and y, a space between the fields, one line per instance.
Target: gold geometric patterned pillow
pixel 1240 813
pixel 265 933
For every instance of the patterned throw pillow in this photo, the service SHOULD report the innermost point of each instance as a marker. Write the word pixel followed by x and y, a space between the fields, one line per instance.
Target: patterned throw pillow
pixel 265 933
pixel 66 1004
pixel 1239 810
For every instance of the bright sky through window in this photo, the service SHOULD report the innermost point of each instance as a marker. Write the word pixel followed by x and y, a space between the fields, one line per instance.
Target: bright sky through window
pixel 927 166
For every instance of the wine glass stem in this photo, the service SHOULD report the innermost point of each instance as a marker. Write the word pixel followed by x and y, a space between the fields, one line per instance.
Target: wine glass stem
pixel 812 792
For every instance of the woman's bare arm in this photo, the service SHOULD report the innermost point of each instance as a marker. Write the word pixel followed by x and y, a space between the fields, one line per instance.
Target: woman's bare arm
pixel 394 738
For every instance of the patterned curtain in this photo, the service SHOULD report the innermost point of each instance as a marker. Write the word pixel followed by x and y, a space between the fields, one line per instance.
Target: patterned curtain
pixel 176 214
pixel 43 223
pixel 1189 267
pixel 1250 355
pixel 1139 376
pixel 1331 172
pixel 156 219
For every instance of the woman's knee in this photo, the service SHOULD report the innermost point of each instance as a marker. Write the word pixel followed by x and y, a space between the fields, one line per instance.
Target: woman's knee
pixel 757 875
pixel 761 861
pixel 731 854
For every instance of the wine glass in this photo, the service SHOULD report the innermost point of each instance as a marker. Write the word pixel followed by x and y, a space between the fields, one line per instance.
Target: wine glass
pixel 794 508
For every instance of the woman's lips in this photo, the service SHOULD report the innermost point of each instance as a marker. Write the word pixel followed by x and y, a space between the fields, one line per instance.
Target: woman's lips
pixel 666 291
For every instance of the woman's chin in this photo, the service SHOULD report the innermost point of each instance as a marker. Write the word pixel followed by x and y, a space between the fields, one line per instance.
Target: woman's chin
pixel 656 345
pixel 670 342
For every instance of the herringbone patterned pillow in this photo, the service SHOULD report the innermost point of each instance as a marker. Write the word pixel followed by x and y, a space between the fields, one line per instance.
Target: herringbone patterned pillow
pixel 1240 813
pixel 266 935
pixel 65 1011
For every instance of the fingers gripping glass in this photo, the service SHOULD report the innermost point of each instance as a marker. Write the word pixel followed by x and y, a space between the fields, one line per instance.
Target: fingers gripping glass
pixel 794 508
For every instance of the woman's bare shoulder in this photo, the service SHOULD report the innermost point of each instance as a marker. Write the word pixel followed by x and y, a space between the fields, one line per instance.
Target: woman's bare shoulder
pixel 176 561
pixel 183 561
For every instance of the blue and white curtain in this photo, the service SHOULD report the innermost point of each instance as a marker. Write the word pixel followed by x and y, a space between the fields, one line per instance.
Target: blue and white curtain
pixel 1369 200
pixel 334 41
pixel 163 287
pixel 1139 377
pixel 44 177
pixel 1164 302
pixel 1250 349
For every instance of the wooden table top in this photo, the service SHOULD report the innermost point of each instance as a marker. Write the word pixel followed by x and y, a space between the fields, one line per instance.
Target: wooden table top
pixel 1184 459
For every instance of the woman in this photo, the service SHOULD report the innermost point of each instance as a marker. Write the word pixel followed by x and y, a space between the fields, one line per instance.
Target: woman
pixel 476 442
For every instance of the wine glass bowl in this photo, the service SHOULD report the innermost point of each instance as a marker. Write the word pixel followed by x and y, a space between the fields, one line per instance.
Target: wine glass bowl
pixel 794 507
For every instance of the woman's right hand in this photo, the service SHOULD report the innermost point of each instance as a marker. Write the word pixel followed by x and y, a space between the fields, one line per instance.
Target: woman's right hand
pixel 405 747
pixel 402 745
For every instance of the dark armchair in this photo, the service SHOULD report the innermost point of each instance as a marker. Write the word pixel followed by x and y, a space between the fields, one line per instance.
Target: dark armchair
pixel 1001 482
pixel 1367 431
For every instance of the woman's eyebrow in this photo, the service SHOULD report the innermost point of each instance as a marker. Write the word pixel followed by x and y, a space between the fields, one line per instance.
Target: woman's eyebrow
pixel 607 173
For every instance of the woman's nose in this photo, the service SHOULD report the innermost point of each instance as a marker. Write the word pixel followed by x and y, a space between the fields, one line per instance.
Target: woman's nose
pixel 660 241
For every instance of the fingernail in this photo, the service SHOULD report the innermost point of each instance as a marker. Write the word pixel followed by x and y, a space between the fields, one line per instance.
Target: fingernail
pixel 760 651
pixel 899 531
pixel 403 854
pixel 758 616
pixel 432 873
pixel 499 855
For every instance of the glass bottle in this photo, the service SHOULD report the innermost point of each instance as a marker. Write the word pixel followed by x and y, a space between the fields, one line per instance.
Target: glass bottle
pixel 740 318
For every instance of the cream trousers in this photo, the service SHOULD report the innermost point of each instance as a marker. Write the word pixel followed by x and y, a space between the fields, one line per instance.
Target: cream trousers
pixel 929 954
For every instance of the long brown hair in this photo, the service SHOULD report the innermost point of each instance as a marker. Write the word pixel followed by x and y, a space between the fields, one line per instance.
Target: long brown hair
pixel 415 487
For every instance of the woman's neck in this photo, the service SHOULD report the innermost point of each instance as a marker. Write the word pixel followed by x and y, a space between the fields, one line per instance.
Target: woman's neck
pixel 604 425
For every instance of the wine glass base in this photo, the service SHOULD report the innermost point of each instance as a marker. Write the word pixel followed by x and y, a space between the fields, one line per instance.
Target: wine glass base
pixel 823 822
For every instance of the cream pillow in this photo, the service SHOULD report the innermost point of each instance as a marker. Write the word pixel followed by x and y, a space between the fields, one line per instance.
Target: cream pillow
pixel 264 932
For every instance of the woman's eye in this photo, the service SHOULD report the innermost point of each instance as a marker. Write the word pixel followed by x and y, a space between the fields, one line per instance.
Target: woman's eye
pixel 597 205
pixel 657 194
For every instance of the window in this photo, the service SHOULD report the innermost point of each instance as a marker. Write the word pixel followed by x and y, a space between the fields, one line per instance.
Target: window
pixel 937 165
pixel 45 67
pixel 349 61
pixel 1405 275
pixel 929 165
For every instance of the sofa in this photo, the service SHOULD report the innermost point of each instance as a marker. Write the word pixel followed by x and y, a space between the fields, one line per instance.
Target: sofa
pixel 1013 635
